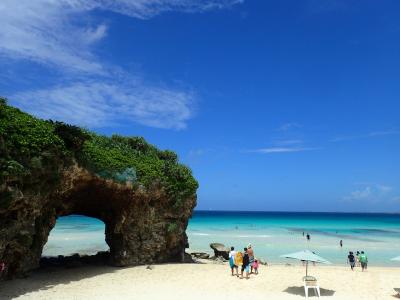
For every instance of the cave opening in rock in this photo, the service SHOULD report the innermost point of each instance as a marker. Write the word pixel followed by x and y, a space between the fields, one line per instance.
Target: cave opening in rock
pixel 76 234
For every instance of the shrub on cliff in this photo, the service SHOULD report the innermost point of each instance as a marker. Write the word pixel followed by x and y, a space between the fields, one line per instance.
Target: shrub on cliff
pixel 29 148
pixel 112 157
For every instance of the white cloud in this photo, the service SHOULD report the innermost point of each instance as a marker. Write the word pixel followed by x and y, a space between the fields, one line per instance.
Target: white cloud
pixel 289 126
pixel 148 8
pixel 101 104
pixel 60 34
pixel 384 188
pixel 283 149
pixel 360 194
pixel 368 135
pixel 288 142
pixel 197 152
pixel 42 31
pixel 369 192
pixel 51 31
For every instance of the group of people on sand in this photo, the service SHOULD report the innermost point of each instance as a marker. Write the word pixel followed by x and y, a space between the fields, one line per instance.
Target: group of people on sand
pixel 245 260
pixel 360 259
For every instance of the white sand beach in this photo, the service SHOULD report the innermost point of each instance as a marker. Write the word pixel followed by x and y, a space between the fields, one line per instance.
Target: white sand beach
pixel 205 280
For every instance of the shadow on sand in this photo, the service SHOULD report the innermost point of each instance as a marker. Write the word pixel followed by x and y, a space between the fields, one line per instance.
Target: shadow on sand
pixel 47 277
pixel 299 291
pixel 397 295
pixel 55 271
pixel 62 270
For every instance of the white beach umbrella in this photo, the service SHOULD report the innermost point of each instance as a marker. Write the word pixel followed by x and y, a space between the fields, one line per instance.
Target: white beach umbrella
pixel 306 256
pixel 396 258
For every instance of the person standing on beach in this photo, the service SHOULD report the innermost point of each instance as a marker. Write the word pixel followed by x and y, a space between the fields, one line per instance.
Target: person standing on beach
pixel 245 265
pixel 357 258
pixel 363 261
pixel 352 260
pixel 232 255
pixel 341 244
pixel 308 237
pixel 250 252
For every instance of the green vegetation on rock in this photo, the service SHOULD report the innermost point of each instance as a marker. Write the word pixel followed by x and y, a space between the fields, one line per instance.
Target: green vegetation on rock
pixel 32 149
pixel 31 153
pixel 172 227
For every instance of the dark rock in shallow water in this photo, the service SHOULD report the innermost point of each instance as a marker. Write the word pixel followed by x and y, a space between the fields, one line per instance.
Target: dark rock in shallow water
pixel 47 170
pixel 201 255
pixel 263 262
pixel 75 260
pixel 188 258
pixel 220 250
pixel 220 259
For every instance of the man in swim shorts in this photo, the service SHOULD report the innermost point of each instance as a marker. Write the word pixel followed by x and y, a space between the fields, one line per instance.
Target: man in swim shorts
pixel 352 260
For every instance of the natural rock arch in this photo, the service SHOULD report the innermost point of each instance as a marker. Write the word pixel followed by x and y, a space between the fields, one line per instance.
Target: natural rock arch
pixel 141 227
pixel 61 171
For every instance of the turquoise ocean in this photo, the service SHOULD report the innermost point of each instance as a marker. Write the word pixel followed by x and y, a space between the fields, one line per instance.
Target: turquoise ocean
pixel 271 234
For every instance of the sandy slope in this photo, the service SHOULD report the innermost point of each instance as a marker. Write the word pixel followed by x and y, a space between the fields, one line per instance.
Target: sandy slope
pixel 200 281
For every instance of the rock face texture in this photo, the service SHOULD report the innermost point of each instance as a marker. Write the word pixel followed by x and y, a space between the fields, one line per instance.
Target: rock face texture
pixel 145 221
pixel 220 250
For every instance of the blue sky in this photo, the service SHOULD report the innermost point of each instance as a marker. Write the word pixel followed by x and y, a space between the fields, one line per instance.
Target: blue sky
pixel 275 105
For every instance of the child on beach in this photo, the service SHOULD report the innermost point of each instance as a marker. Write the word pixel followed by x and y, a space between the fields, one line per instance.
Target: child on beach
pixel 255 266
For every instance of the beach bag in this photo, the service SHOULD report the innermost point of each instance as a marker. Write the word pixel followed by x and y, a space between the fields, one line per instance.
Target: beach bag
pixel 238 259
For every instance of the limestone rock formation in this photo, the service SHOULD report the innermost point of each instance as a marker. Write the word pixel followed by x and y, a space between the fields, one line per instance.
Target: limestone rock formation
pixel 220 250
pixel 143 195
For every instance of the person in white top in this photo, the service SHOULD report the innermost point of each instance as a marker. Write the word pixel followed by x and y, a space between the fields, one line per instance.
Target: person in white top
pixel 232 255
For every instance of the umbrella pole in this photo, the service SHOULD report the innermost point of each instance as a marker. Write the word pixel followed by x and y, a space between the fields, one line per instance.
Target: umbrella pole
pixel 307 268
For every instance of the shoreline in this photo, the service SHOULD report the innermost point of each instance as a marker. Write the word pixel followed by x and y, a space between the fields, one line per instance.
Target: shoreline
pixel 294 262
pixel 190 251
